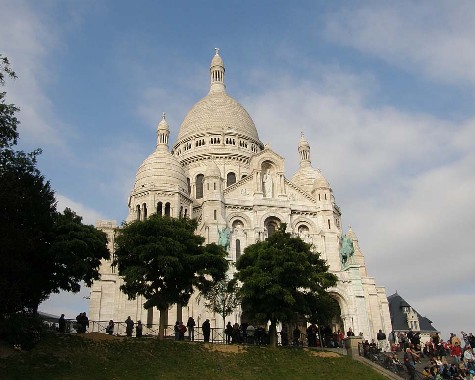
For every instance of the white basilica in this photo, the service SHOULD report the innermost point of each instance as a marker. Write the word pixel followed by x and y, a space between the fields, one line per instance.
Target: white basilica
pixel 219 172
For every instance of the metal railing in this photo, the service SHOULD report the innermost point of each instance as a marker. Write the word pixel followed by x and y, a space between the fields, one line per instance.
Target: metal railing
pixel 217 334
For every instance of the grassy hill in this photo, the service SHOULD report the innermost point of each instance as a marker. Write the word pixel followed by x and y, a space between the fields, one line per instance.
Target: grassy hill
pixel 99 356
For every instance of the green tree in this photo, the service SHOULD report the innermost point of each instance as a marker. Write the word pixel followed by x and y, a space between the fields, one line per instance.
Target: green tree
pixel 163 260
pixel 281 278
pixel 76 252
pixel 222 297
pixel 41 250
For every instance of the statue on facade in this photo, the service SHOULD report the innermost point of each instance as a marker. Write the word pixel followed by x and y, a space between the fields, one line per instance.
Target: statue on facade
pixel 346 249
pixel 224 237
pixel 267 184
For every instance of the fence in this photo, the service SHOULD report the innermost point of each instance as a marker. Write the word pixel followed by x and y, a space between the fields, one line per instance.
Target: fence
pixel 217 334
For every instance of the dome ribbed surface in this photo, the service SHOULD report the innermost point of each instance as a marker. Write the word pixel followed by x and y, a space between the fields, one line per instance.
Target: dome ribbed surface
pixel 160 170
pixel 305 178
pixel 212 170
pixel 321 181
pixel 216 113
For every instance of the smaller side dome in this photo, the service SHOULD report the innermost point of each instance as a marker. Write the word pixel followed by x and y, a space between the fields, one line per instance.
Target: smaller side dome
pixel 212 170
pixel 320 181
pixel 160 170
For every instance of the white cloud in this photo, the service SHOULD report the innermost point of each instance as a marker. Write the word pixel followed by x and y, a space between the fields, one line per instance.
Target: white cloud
pixel 89 215
pixel 28 38
pixel 432 38
pixel 404 181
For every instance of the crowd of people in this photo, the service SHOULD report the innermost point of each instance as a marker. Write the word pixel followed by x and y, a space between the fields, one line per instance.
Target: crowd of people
pixel 451 359
pixel 434 359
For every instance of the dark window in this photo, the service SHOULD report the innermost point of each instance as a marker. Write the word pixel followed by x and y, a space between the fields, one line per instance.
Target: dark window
pixel 199 186
pixel 167 209
pixel 189 185
pixel 138 212
pixel 159 208
pixel 238 249
pixel 144 208
pixel 231 178
pixel 271 227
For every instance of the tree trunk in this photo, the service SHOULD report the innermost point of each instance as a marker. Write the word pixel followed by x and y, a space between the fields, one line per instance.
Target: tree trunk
pixel 162 323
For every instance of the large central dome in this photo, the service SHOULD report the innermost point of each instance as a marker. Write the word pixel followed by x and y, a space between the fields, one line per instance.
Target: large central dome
pixel 217 114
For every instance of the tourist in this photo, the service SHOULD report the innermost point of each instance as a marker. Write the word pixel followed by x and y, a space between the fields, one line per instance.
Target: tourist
pixel 139 328
pixel 176 330
pixel 350 332
pixel 228 331
pixel 311 335
pixel 469 358
pixel 250 330
pixel 236 333
pixel 62 324
pixel 181 331
pixel 82 322
pixel 110 327
pixel 410 363
pixel 129 326
pixel 296 337
pixel 191 328
pixel 381 337
pixel 284 336
pixel 206 327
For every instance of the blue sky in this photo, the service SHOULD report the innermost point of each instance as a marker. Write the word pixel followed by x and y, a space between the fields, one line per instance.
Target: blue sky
pixel 384 92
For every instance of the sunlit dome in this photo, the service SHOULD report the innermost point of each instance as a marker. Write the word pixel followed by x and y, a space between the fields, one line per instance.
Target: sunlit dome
pixel 217 111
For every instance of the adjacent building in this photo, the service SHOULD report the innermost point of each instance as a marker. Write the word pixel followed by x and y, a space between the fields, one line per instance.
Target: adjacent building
pixel 405 318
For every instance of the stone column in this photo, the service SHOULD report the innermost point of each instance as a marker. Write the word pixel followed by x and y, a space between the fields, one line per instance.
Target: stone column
pixel 351 345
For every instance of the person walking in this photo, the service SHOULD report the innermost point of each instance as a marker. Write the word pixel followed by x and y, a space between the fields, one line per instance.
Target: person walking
pixel 381 337
pixel 62 324
pixel 129 326
pixel 191 328
pixel 139 329
pixel 206 327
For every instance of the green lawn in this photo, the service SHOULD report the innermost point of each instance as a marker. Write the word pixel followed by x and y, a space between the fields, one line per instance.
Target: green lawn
pixel 74 357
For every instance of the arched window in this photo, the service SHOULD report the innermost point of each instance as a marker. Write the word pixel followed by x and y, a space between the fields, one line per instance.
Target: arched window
pixel 181 212
pixel 160 208
pixel 144 211
pixel 199 186
pixel 167 209
pixel 271 227
pixel 238 249
pixel 138 212
pixel 186 213
pixel 271 224
pixel 230 179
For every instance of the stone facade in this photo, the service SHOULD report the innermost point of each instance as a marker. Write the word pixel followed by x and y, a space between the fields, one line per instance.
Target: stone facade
pixel 219 172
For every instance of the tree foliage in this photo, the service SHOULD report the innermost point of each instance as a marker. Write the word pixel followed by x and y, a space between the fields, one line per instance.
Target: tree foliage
pixel 163 260
pixel 76 252
pixel 42 251
pixel 222 297
pixel 281 278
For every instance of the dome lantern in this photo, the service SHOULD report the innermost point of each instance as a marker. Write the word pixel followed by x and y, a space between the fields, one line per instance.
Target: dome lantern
pixel 304 151
pixel 217 73
pixel 163 132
